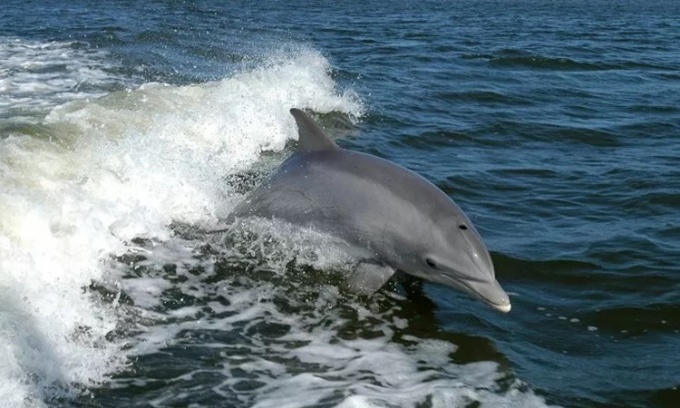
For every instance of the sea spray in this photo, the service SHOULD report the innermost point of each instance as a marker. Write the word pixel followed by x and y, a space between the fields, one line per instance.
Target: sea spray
pixel 111 169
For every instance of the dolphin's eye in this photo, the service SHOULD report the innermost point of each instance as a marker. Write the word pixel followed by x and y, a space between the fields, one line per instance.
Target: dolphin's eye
pixel 462 227
pixel 431 263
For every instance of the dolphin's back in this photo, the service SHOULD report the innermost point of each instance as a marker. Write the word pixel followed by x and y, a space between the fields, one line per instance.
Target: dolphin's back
pixel 349 194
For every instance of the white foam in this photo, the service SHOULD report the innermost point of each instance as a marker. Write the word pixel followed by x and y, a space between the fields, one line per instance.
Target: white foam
pixel 115 168
pixel 35 76
pixel 311 362
pixel 131 163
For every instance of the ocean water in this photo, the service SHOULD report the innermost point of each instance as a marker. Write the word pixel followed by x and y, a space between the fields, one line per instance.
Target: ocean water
pixel 128 131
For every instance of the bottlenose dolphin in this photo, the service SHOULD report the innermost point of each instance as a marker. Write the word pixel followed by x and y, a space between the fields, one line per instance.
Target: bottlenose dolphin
pixel 394 218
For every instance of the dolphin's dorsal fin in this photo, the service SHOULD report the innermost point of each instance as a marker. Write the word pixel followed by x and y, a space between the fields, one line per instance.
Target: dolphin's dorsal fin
pixel 312 137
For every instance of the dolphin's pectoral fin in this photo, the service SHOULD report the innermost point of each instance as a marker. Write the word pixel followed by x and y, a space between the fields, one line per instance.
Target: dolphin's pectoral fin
pixel 367 277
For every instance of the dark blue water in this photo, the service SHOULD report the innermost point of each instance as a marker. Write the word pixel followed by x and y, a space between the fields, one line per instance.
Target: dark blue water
pixel 554 124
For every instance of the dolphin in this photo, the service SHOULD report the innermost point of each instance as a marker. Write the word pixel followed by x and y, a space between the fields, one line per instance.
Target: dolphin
pixel 393 218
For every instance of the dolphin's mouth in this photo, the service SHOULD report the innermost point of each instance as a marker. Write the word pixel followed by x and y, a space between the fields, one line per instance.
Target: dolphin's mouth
pixel 490 293
pixel 504 308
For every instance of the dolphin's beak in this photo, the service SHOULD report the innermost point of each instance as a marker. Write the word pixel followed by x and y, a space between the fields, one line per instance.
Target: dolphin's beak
pixel 490 293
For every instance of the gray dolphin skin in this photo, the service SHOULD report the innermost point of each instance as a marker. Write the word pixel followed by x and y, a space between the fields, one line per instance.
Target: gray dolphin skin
pixel 394 218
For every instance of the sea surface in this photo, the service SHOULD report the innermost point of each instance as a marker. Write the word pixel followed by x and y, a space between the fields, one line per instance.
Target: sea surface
pixel 130 129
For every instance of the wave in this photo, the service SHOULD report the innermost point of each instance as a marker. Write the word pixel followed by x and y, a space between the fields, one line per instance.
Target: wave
pixel 515 58
pixel 486 97
pixel 96 174
pixel 36 76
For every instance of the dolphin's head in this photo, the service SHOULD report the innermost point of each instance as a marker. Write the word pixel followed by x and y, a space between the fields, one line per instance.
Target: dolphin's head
pixel 456 256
